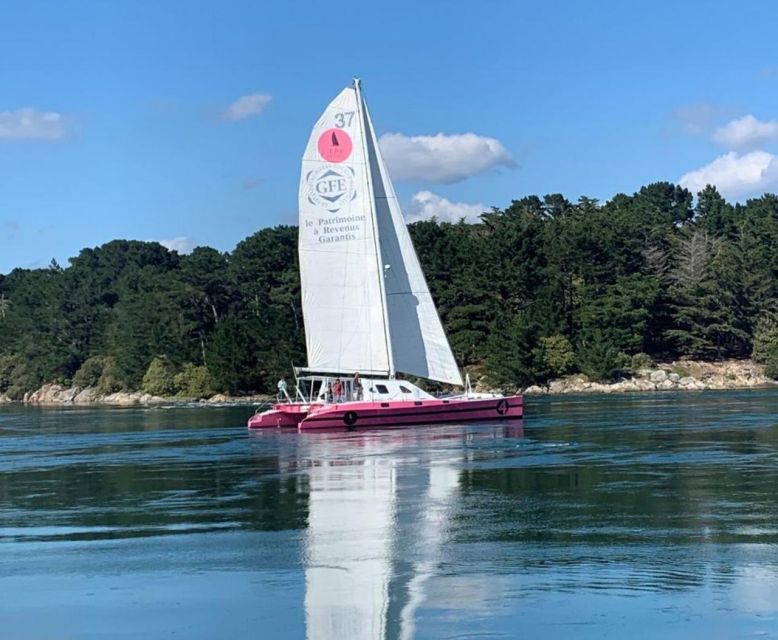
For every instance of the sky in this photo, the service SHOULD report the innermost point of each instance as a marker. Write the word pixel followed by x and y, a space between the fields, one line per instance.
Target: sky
pixel 185 123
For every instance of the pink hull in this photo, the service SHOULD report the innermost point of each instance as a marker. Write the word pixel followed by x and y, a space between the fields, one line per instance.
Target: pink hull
pixel 280 416
pixel 359 415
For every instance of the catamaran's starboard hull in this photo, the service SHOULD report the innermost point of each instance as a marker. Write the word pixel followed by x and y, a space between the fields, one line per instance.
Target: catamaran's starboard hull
pixel 371 415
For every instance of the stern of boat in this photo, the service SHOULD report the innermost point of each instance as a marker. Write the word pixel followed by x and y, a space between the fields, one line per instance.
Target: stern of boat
pixel 280 416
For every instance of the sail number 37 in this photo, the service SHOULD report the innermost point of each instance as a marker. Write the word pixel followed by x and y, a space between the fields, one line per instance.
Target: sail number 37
pixel 344 119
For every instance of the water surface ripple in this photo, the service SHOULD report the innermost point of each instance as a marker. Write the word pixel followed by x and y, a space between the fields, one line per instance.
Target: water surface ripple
pixel 637 516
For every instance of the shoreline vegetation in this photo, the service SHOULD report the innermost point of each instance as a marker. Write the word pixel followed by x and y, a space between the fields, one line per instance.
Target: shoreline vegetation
pixel 684 375
pixel 545 294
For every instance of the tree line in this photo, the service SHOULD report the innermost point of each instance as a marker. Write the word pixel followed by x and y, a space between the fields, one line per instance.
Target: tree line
pixel 542 288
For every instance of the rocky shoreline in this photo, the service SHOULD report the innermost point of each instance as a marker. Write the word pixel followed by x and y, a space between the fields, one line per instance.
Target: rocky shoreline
pixel 58 395
pixel 673 376
pixel 685 375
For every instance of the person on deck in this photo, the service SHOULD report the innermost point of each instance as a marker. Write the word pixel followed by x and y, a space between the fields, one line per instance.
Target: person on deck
pixel 337 390
pixel 281 386
pixel 356 387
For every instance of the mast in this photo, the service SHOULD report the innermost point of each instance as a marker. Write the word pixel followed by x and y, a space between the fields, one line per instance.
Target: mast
pixel 362 113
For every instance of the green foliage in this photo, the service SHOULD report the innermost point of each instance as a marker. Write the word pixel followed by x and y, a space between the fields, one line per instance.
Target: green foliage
pixel 765 349
pixel 511 359
pixel 110 379
pixel 193 382
pixel 620 311
pixel 600 359
pixel 7 366
pixel 765 338
pixel 17 377
pixel 90 372
pixel 160 378
pixel 714 214
pixel 233 355
pixel 641 361
pixel 709 308
pixel 555 355
pixel 100 372
pixel 771 365
pixel 647 273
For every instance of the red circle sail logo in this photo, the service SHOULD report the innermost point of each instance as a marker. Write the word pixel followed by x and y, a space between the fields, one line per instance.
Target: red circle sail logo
pixel 335 145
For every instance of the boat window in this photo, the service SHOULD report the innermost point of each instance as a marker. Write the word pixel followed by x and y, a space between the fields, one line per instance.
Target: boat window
pixel 382 388
pixel 405 389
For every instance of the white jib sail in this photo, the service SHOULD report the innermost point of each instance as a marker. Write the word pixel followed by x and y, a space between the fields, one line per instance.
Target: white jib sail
pixel 418 341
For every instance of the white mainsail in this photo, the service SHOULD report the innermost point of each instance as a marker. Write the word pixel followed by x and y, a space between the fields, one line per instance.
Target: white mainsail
pixel 366 304
pixel 342 300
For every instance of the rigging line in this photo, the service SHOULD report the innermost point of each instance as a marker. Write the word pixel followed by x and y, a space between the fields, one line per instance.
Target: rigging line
pixel 366 129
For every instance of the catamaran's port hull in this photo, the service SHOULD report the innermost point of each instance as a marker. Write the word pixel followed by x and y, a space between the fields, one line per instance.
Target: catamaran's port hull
pixel 361 415
pixel 281 416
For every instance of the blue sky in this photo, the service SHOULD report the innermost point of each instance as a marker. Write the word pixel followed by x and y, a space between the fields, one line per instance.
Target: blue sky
pixel 125 119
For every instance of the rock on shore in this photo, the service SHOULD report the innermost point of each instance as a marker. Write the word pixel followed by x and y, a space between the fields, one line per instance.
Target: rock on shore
pixel 675 376
pixel 56 394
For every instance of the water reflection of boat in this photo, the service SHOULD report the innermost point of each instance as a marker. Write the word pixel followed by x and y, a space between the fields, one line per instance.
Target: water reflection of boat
pixel 378 518
pixel 348 546
pixel 366 304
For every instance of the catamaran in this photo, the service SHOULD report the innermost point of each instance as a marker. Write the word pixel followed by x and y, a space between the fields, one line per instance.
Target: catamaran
pixel 367 309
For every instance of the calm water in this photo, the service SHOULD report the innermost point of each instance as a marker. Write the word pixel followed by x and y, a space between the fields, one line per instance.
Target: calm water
pixel 644 517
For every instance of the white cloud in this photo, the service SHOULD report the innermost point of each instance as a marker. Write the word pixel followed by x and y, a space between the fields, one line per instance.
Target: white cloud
pixel 426 205
pixel 31 124
pixel 181 244
pixel 746 132
pixel 442 158
pixel 246 106
pixel 736 175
